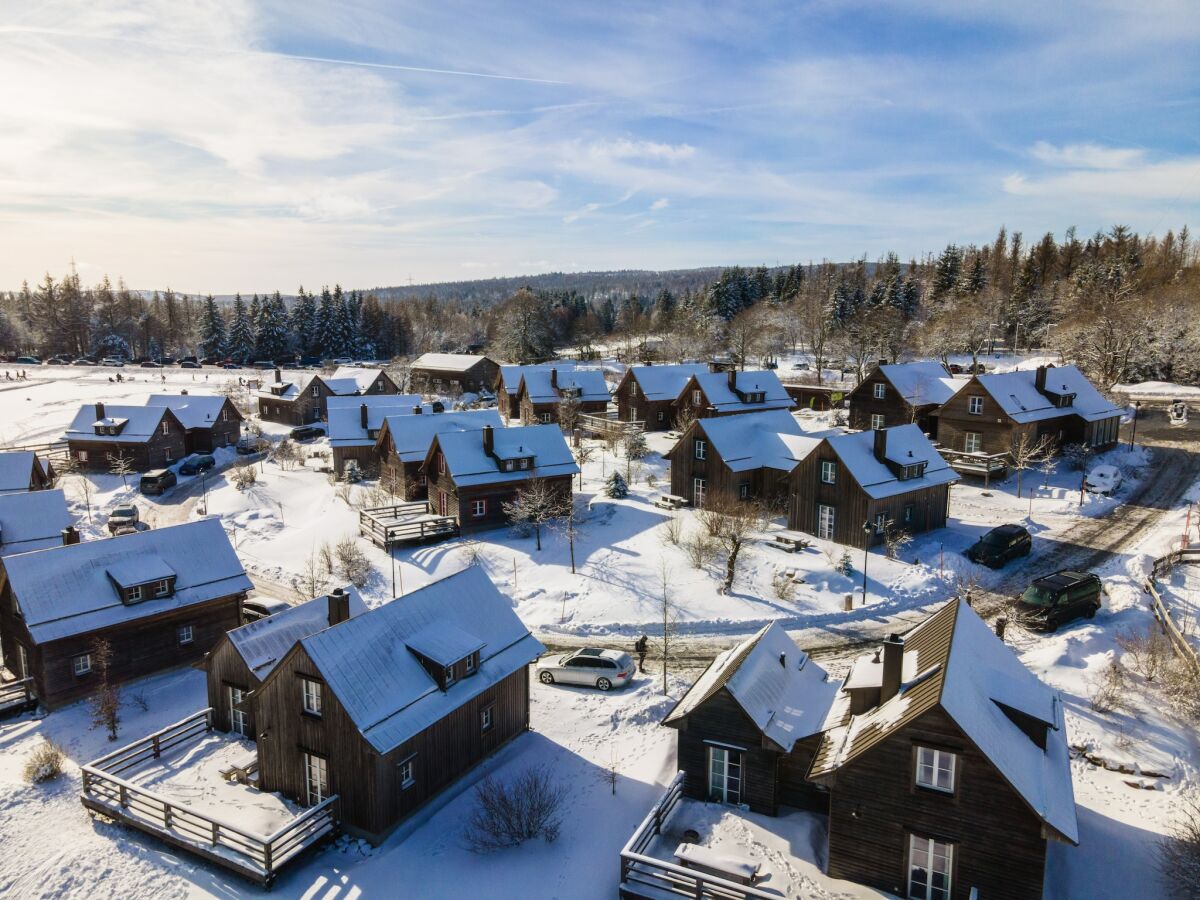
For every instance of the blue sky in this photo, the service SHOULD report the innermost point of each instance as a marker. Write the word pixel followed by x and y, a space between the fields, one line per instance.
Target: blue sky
pixel 224 145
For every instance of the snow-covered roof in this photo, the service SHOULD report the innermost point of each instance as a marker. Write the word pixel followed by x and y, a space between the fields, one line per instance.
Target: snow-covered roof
pixel 67 590
pixel 776 684
pixel 412 435
pixel 345 416
pixel 771 438
pixel 347 380
pixel 444 642
pixel 288 390
pixel 139 423
pixel 511 375
pixel 906 446
pixel 590 382
pixel 16 470
pixel 450 362
pixel 1018 396
pixel 665 382
pixel 388 694
pixel 961 666
pixel 468 464
pixel 141 569
pixel 32 520
pixel 922 383
pixel 722 398
pixel 192 410
pixel 262 644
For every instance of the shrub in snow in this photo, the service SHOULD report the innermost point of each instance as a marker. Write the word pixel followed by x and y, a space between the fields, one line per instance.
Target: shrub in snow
pixel 615 486
pixel 1078 455
pixel 350 563
pixel 671 531
pixel 509 813
pixel 845 566
pixel 701 548
pixel 45 762
pixel 1146 652
pixel 783 587
pixel 352 474
pixel 1108 691
pixel 1179 852
pixel 243 476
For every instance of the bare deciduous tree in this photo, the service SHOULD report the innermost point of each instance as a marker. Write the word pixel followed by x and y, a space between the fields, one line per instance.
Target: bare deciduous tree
pixel 1027 451
pixel 351 564
pixel 583 454
pixel 536 504
pixel 121 463
pixel 736 522
pixel 570 524
pixel 106 701
pixel 312 579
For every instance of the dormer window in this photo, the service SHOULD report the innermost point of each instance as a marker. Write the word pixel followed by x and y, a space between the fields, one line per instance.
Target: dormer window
pixel 472 664
pixel 525 463
pixel 916 470
pixel 162 588
pixel 509 465
pixel 448 676
pixel 135 594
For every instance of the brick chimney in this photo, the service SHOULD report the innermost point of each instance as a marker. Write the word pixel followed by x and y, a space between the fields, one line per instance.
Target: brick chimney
pixel 880 436
pixel 70 535
pixel 893 667
pixel 554 378
pixel 278 375
pixel 339 606
pixel 184 392
pixel 417 410
pixel 883 362
pixel 99 411
pixel 731 379
pixel 488 440
pixel 362 415
pixel 1039 378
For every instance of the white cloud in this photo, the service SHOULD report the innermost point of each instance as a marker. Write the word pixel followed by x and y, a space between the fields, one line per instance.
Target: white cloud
pixel 624 148
pixel 660 203
pixel 1086 156
pixel 580 213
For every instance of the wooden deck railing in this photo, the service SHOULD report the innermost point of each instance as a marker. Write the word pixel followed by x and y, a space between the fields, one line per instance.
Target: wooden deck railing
pixel 255 856
pixel 643 875
pixel 16 695
pixel 1183 648
pixel 984 465
pixel 373 524
pixel 609 424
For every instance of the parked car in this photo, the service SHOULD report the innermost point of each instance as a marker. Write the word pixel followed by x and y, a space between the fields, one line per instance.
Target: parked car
pixel 342 361
pixel 310 362
pixel 250 443
pixel 803 367
pixel 999 545
pixel 255 608
pixel 591 666
pixel 58 361
pixel 1103 480
pixel 151 364
pixel 113 362
pixel 158 481
pixel 230 366
pixel 212 361
pixel 28 361
pixel 1059 598
pixel 124 516
pixel 189 364
pixel 84 361
pixel 196 463
pixel 263 364
pixel 307 432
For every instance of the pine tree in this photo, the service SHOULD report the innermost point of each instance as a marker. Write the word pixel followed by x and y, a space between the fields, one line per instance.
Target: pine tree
pixel 239 344
pixel 304 322
pixel 345 322
pixel 212 329
pixel 325 329
pixel 271 333
pixel 615 486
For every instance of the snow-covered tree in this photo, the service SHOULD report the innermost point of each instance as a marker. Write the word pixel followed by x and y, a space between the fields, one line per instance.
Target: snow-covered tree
pixel 212 329
pixel 304 322
pixel 239 342
pixel 615 486
pixel 536 504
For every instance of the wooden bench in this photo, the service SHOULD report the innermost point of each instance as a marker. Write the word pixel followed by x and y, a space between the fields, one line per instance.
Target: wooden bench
pixel 242 769
pixel 670 501
pixel 789 541
pixel 693 856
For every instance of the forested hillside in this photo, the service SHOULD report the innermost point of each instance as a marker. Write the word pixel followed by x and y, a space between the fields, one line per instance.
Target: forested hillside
pixel 1121 305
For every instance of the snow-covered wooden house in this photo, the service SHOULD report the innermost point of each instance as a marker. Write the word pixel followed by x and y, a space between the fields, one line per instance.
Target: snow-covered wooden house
pixel 388 708
pixel 23 470
pixel 648 393
pixel 851 488
pixel 209 421
pixel 710 394
pixel 990 413
pixel 542 391
pixel 242 658
pixel 743 457
pixel 453 373
pixel 403 443
pixel 508 382
pixel 901 394
pixel 159 598
pixel 471 474
pixel 149 437
pixel 355 422
pixel 306 399
pixel 947 765
pixel 33 520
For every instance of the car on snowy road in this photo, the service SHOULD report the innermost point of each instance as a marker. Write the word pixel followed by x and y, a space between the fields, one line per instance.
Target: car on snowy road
pixel 124 516
pixel 591 667
pixel 158 481
pixel 197 463
pixel 1056 599
pixel 1103 480
pixel 999 545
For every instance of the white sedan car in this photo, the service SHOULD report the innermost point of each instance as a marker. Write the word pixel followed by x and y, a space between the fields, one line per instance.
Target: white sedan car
pixel 591 666
pixel 1103 480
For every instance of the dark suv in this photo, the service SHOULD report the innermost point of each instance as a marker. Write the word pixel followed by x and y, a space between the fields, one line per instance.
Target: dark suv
pixel 1059 598
pixel 999 545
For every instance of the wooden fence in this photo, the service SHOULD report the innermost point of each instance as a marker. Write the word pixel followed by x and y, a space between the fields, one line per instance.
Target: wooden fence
pixel 1163 565
pixel 254 856
pixel 608 425
pixel 55 450
pixel 16 696
pixel 645 876
pixel 404 522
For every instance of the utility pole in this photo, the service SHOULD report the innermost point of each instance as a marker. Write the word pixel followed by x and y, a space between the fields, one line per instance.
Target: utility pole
pixel 866 556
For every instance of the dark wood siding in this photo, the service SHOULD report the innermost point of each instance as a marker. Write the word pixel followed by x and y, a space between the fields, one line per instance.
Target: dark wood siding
pixel 224 666
pixel 795 789
pixel 875 806
pixel 997 430
pixel 459 499
pixel 632 405
pixel 159 450
pixel 895 409
pixel 224 432
pixel 721 483
pixel 479 377
pixel 304 409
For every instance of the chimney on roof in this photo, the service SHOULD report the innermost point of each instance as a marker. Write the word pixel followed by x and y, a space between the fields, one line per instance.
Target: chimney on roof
pixel 488 440
pixel 362 415
pixel 339 606
pixel 883 362
pixel 880 436
pixel 278 375
pixel 70 535
pixel 184 392
pixel 99 411
pixel 417 410
pixel 731 378
pixel 783 659
pixel 893 666
pixel 1039 378
pixel 554 378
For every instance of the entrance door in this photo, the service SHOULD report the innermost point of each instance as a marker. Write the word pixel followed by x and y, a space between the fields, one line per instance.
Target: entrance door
pixel 633 414
pixel 316 778
pixel 239 719
pixel 825 522
pixel 724 775
pixel 698 493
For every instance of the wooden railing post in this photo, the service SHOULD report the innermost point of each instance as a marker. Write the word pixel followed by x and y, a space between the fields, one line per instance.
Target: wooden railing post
pixel 216 833
pixel 154 744
pixel 124 795
pixel 267 861
pixel 166 815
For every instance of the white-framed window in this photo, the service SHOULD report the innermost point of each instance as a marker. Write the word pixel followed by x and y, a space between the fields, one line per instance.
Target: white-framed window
pixel 975 406
pixel 485 720
pixel 698 486
pixel 186 634
pixel 929 868
pixel 316 778
pixel 696 398
pixel 441 463
pixel 162 588
pixel 524 464
pixel 877 422
pixel 478 509
pixel 136 593
pixel 633 414
pixel 82 664
pixel 168 454
pixel 407 774
pixel 166 427
pixel 448 675
pixel 662 416
pixel 825 518
pixel 724 775
pixel 744 490
pixel 546 417
pixel 470 665
pixel 880 390
pixel 829 471
pixel 908 513
pixel 83 456
pixel 239 719
pixel 880 522
pixel 314 391
pixel 700 449
pixel 935 769
pixel 311 696
pixel 972 442
pixel 224 415
pixel 509 465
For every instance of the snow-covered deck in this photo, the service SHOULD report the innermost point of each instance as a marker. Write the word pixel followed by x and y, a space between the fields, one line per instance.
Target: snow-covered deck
pixel 402 522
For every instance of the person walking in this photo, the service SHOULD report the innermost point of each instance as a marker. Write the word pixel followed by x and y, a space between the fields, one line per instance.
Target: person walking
pixel 640 646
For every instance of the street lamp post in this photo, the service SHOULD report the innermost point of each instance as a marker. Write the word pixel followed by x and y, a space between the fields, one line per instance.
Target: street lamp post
pixel 1137 405
pixel 866 555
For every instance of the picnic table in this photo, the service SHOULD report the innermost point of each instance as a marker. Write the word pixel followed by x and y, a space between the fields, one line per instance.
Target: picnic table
pixel 790 541
pixel 670 501
pixel 693 856
pixel 243 768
